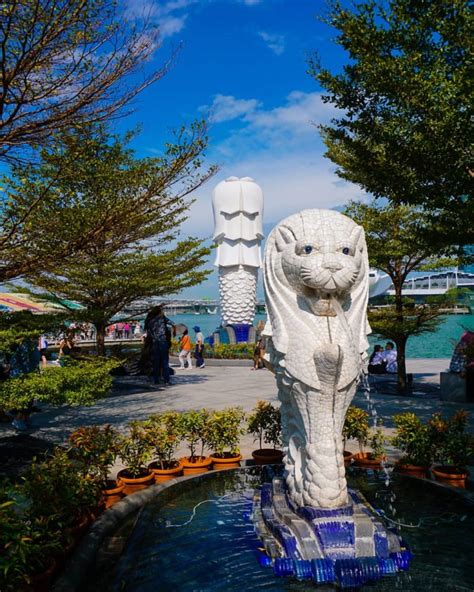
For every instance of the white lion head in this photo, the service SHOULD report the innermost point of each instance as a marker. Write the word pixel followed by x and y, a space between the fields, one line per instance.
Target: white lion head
pixel 316 267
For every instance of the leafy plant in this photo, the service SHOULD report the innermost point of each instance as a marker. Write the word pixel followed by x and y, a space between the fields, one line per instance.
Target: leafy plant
pixel 224 431
pixel 96 448
pixel 80 383
pixel 377 444
pixel 413 439
pixel 195 430
pixel 264 423
pixel 452 445
pixel 163 432
pixel 56 491
pixel 356 426
pixel 26 545
pixel 136 450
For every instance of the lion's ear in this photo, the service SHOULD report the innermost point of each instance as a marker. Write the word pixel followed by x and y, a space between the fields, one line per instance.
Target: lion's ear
pixel 284 236
pixel 356 234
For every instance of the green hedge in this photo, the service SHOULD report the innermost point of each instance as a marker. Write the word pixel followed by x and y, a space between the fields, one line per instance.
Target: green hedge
pixel 80 383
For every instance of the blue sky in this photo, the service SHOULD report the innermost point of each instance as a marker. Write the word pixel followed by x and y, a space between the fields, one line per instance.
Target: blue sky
pixel 243 64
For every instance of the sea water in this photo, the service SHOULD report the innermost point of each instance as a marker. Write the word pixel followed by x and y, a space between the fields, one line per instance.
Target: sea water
pixel 439 344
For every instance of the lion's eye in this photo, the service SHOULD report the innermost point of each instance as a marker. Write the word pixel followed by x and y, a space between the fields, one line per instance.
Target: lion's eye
pixel 346 250
pixel 308 249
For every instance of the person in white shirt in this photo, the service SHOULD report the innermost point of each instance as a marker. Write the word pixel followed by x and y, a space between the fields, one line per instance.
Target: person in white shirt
pixel 199 349
pixel 390 358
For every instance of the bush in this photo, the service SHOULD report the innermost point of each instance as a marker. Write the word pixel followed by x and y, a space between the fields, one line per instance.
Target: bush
pixel 356 426
pixel 80 383
pixel 412 438
pixel 136 450
pixel 224 431
pixel 194 426
pixel 96 449
pixel 451 444
pixel 265 424
pixel 163 432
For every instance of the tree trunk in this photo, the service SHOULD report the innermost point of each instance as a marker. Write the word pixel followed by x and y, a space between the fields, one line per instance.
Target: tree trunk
pixel 400 343
pixel 401 366
pixel 100 338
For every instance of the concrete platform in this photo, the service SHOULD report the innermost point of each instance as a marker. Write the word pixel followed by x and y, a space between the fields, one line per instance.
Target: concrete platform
pixel 216 387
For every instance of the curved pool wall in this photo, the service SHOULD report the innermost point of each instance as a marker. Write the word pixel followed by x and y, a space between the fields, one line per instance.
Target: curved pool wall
pixel 137 545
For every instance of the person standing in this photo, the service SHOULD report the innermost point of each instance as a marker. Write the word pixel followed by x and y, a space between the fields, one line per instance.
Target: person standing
pixel 155 327
pixel 185 353
pixel 199 348
pixel 126 330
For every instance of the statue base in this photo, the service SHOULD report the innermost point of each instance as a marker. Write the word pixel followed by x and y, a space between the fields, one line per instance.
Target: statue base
pixel 235 333
pixel 348 546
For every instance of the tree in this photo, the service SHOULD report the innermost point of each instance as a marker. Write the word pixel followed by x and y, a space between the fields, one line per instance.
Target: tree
pixel 65 63
pixel 405 127
pixel 396 244
pixel 129 210
pixel 42 226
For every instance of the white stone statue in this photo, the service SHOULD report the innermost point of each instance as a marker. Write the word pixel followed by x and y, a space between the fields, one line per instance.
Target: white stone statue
pixel 316 289
pixel 238 209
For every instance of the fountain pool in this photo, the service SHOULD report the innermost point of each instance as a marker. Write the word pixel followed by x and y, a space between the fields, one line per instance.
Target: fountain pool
pixel 216 548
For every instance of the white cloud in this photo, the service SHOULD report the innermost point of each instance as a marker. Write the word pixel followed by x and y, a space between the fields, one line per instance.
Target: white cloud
pixel 170 17
pixel 274 42
pixel 251 2
pixel 227 107
pixel 281 149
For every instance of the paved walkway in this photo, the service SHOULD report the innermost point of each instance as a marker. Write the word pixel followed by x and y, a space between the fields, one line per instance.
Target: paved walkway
pixel 216 387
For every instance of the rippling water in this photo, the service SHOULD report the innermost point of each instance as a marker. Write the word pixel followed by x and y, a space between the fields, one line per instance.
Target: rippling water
pixel 216 550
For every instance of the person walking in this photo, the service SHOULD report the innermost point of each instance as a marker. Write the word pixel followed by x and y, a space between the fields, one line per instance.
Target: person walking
pixel 126 330
pixel 185 353
pixel 199 348
pixel 155 327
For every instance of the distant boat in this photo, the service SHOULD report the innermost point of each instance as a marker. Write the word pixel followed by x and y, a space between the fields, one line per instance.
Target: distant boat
pixel 211 311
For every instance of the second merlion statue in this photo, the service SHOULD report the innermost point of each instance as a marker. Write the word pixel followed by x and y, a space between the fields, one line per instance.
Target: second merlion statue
pixel 238 209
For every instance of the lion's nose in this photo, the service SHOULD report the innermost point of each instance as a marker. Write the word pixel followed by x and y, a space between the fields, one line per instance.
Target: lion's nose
pixel 332 264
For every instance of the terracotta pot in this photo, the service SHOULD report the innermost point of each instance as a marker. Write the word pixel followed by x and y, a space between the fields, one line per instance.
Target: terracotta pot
pixel 267 456
pixel 226 462
pixel 201 464
pixel 413 470
pixel 162 475
pixel 113 493
pixel 362 460
pixel 41 582
pixel 450 476
pixel 348 456
pixel 133 484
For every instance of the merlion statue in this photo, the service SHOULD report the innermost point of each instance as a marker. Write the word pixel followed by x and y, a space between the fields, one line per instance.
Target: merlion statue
pixel 238 208
pixel 316 289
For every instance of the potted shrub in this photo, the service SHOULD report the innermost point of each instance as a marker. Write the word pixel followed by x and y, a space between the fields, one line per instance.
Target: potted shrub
pixel 96 449
pixel 164 434
pixel 412 438
pixel 264 423
pixel 356 427
pixel 224 431
pixel 135 453
pixel 452 446
pixel 194 426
